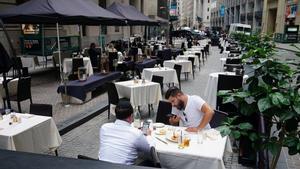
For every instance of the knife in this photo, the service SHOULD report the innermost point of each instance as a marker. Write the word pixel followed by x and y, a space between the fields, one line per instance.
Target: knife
pixel 161 140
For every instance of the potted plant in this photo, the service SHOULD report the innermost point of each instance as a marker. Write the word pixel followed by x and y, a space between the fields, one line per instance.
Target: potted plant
pixel 271 92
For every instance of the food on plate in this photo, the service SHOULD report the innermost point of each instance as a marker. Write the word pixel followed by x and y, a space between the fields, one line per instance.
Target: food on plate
pixel 174 137
pixel 162 131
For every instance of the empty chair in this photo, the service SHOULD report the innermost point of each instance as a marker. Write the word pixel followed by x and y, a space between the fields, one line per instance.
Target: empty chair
pixel 41 109
pixel 17 66
pixel 164 108
pixel 228 82
pixel 233 61
pixel 23 91
pixel 85 157
pixel 192 59
pixel 76 63
pixel 218 118
pixel 178 72
pixel 158 79
pixel 113 96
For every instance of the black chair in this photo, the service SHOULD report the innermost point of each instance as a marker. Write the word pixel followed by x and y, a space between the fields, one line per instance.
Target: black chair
pixel 158 79
pixel 41 109
pixel 231 67
pixel 164 108
pixel 233 61
pixel 111 57
pixel 228 82
pixel 178 72
pixel 113 96
pixel 17 66
pixel 138 72
pixel 85 157
pixel 23 91
pixel 192 59
pixel 199 58
pixel 218 118
pixel 203 55
pixel 76 63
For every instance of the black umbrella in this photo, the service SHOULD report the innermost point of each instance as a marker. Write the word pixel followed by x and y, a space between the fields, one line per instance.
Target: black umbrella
pixel 131 14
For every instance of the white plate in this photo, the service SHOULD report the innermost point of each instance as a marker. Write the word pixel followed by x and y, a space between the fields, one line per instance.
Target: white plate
pixel 170 138
pixel 161 131
pixel 158 125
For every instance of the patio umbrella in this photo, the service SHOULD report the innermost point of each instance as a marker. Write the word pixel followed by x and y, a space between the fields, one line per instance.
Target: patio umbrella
pixel 60 12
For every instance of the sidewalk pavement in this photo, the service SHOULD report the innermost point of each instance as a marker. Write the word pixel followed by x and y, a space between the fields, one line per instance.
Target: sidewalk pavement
pixel 288 46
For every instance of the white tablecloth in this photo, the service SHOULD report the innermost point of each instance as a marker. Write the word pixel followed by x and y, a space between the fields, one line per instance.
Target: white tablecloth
pixel 210 93
pixel 12 87
pixel 186 65
pixel 186 57
pixel 139 93
pixel 169 74
pixel 67 65
pixel 37 134
pixel 208 154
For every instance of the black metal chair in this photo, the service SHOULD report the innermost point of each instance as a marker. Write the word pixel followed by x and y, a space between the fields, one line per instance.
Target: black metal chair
pixel 231 67
pixel 85 157
pixel 23 91
pixel 158 79
pixel 233 61
pixel 113 96
pixel 76 63
pixel 17 66
pixel 228 82
pixel 192 59
pixel 218 118
pixel 203 55
pixel 178 72
pixel 41 109
pixel 111 57
pixel 164 108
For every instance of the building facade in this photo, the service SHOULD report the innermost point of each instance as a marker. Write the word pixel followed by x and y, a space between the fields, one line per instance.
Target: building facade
pixel 278 14
pixel 226 12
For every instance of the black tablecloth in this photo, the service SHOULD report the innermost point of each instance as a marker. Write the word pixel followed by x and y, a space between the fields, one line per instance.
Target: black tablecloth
pixel 147 63
pixel 21 160
pixel 79 89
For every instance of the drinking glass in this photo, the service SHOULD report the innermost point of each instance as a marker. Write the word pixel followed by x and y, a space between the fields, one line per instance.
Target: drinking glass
pixel 180 141
pixel 200 136
pixel 186 140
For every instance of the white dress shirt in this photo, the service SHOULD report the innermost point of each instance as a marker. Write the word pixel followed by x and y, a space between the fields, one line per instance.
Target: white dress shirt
pixel 120 143
pixel 192 115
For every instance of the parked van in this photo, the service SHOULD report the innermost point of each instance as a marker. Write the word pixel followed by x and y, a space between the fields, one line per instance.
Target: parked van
pixel 239 28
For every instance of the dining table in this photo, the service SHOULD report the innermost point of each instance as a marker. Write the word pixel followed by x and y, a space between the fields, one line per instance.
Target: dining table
pixel 139 92
pixel 187 56
pixel 186 65
pixel 29 133
pixel 204 149
pixel 169 74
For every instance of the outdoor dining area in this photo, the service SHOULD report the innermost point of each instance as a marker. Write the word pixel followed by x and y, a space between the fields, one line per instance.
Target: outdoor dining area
pixel 170 101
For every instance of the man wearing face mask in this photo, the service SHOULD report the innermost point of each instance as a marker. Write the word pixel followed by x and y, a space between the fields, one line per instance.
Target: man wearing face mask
pixel 192 111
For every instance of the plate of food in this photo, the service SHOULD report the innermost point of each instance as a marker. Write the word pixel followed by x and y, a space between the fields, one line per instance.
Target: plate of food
pixel 161 131
pixel 172 137
pixel 158 125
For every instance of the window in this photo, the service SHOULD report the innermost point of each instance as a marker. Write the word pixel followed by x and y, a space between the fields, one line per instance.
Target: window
pixel 208 1
pixel 207 17
pixel 207 9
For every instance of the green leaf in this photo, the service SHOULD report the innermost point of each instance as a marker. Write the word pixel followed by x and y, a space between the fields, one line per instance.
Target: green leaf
pixel 262 84
pixel 298 146
pixel 236 134
pixel 253 136
pixel 286 115
pixel 247 109
pixel 242 94
pixel 223 92
pixel 290 141
pixel 245 126
pixel 296 107
pixel 292 151
pixel 264 104
pixel 274 148
pixel 228 99
pixel 224 130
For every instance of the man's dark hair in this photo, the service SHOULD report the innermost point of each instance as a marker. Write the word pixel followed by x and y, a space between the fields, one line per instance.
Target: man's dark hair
pixel 123 110
pixel 172 91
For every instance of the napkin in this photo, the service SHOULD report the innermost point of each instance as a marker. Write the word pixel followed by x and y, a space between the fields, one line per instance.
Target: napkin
pixel 212 134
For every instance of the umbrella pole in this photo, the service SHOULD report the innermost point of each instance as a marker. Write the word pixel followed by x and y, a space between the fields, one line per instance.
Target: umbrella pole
pixel 59 52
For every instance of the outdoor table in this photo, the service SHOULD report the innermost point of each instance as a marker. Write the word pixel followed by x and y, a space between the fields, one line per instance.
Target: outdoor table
pixel 37 134
pixel 210 92
pixel 146 63
pixel 169 74
pixel 186 65
pixel 187 56
pixel 80 89
pixel 67 65
pixel 22 160
pixel 140 93
pixel 205 153
pixel 12 87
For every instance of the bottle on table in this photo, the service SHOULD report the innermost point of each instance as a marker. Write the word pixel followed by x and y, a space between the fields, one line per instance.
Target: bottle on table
pixel 137 119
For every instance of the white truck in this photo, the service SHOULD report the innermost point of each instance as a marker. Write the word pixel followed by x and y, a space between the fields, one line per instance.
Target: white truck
pixel 239 28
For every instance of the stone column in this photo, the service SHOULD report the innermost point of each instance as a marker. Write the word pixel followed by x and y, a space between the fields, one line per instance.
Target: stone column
pixel 280 18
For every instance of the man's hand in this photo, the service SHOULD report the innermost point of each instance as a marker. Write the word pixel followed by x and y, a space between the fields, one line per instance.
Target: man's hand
pixel 174 120
pixel 192 129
